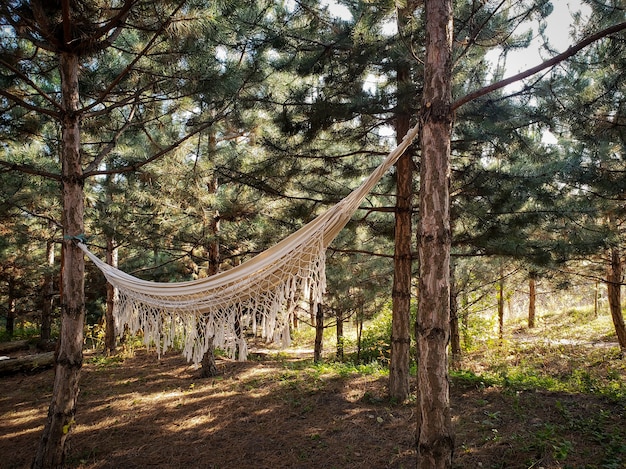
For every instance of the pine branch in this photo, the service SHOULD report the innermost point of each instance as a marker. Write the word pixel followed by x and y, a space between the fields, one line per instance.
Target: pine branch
pixel 33 85
pixel 27 105
pixel 161 152
pixel 140 55
pixel 29 170
pixel 111 145
pixel 572 50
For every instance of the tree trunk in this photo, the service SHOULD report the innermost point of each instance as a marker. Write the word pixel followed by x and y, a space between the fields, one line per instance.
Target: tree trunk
pixel 359 333
pixel 532 300
pixel 434 439
pixel 614 279
pixel 455 335
pixel 69 354
pixel 596 295
pixel 319 333
pixel 110 334
pixel 401 292
pixel 47 293
pixel 340 338
pixel 11 301
pixel 209 366
pixel 501 306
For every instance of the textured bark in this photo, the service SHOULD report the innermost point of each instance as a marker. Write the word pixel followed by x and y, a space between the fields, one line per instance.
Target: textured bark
pixel 110 334
pixel 27 363
pixel 532 300
pixel 402 262
pixel 319 333
pixel 435 441
pixel 69 354
pixel 614 287
pixel 340 337
pixel 209 366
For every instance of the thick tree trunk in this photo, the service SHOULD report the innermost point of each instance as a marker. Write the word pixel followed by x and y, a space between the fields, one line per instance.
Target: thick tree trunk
pixel 614 286
pixel 47 294
pixel 319 333
pixel 110 334
pixel 435 441
pixel 402 268
pixel 532 300
pixel 209 366
pixel 69 354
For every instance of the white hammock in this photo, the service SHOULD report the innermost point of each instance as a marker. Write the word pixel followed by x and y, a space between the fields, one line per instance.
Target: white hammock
pixel 261 293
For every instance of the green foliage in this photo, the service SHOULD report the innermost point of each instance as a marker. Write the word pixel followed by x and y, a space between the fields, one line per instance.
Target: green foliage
pixel 25 330
pixel 376 339
pixel 574 371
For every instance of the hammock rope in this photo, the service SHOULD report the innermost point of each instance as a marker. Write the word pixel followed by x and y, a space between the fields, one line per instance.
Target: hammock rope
pixel 261 293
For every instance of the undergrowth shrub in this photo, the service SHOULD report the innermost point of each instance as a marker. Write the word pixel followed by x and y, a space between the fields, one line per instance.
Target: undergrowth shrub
pixel 376 340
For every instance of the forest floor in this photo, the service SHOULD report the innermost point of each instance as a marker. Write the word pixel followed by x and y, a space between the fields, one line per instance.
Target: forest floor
pixel 532 404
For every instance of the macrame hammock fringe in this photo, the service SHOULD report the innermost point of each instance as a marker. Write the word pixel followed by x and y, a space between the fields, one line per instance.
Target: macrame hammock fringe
pixel 261 293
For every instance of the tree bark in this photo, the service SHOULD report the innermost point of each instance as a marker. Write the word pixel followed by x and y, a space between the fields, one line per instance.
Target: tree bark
pixel 455 335
pixel 110 334
pixel 501 306
pixel 340 338
pixel 434 439
pixel 614 287
pixel 27 363
pixel 209 366
pixel 69 354
pixel 402 268
pixel 532 300
pixel 319 333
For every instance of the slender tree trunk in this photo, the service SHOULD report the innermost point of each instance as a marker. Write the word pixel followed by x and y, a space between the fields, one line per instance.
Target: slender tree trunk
pixel 319 333
pixel 69 353
pixel 47 294
pixel 340 338
pixel 209 365
pixel 614 286
pixel 465 318
pixel 434 439
pixel 596 294
pixel 402 269
pixel 359 332
pixel 501 306
pixel 532 300
pixel 11 302
pixel 455 335
pixel 110 334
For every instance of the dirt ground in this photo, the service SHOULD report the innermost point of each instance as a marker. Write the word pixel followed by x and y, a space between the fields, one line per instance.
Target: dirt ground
pixel 281 412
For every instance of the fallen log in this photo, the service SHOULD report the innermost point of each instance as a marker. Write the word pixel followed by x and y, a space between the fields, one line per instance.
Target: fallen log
pixel 13 346
pixel 27 363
